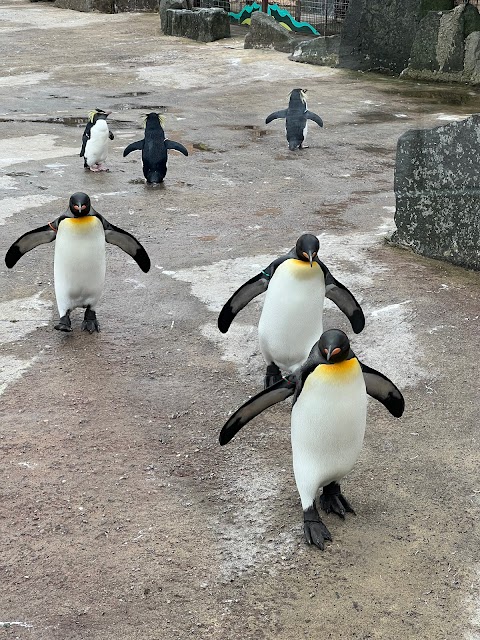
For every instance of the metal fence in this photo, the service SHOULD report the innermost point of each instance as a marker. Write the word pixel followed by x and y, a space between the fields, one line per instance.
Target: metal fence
pixel 316 17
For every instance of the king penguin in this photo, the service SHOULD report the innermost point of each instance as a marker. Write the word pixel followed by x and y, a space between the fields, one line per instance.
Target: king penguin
pixel 79 263
pixel 95 140
pixel 292 315
pixel 328 423
pixel 154 148
pixel 297 116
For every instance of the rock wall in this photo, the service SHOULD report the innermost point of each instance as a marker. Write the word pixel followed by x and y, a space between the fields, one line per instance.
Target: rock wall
pixel 437 189
pixel 446 46
pixel 379 34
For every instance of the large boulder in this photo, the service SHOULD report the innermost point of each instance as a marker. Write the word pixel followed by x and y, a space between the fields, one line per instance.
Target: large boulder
pixel 205 25
pixel 471 66
pixel 437 188
pixel 266 33
pixel 164 6
pixel 321 51
pixel 103 6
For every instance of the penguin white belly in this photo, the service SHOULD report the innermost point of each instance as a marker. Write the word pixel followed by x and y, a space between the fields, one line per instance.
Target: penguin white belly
pixel 79 264
pixel 292 315
pixel 96 148
pixel 328 426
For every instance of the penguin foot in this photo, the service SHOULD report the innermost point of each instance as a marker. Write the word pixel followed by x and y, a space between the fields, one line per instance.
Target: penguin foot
pixel 90 322
pixel 64 324
pixel 332 499
pixel 272 375
pixel 313 528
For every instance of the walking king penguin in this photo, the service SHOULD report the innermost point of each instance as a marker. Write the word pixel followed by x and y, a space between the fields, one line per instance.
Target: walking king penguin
pixel 79 264
pixel 297 116
pixel 292 316
pixel 95 140
pixel 327 423
pixel 154 147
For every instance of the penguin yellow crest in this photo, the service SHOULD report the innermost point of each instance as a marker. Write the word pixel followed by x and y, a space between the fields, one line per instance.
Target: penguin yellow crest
pixel 161 119
pixel 91 115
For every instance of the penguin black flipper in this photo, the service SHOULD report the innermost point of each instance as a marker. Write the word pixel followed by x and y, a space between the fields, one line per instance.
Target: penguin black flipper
pixel 30 240
pixel 344 299
pixel 134 146
pixel 247 292
pixel 275 115
pixel 126 242
pixel 276 393
pixel 382 389
pixel 313 116
pixel 176 146
pixel 85 138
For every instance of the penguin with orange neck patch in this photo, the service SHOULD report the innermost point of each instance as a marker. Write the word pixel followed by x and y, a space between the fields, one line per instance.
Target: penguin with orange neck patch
pixel 327 423
pixel 292 316
pixel 79 263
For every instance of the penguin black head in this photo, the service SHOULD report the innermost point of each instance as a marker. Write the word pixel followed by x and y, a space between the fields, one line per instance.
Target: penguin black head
pixel 98 114
pixel 153 120
pixel 298 94
pixel 79 204
pixel 307 247
pixel 334 346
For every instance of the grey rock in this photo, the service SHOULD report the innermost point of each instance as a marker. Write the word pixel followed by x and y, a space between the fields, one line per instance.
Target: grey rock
pixel 439 51
pixel 471 65
pixel 266 33
pixel 138 6
pixel 205 25
pixel 321 51
pixel 103 6
pixel 164 5
pixel 437 188
pixel 378 34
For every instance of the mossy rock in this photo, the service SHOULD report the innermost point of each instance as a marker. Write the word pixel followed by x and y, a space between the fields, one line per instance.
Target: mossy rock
pixel 435 5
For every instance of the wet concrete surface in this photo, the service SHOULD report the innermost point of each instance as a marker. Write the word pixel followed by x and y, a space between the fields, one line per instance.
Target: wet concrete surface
pixel 121 515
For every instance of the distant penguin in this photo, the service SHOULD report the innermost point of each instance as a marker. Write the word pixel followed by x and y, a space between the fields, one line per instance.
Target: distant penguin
pixel 327 423
pixel 154 149
pixel 292 316
pixel 296 115
pixel 95 140
pixel 79 263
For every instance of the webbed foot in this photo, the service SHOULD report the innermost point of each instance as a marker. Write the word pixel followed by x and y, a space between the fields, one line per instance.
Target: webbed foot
pixel 332 499
pixel 64 324
pixel 313 528
pixel 272 375
pixel 90 322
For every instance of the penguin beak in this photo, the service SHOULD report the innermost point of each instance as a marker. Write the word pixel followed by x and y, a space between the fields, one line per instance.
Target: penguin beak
pixel 310 257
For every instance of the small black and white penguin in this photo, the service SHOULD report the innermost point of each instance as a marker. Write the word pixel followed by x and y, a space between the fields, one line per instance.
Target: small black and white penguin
pixel 327 423
pixel 95 140
pixel 154 148
pixel 79 263
pixel 297 116
pixel 292 315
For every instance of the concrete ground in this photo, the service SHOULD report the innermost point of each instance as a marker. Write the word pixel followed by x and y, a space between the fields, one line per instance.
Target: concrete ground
pixel 121 516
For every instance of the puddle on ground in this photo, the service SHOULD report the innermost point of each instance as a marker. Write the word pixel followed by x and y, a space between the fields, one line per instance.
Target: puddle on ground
pixel 374 117
pixel 68 121
pixel 129 94
pixel 137 181
pixel 180 183
pixel 147 108
pixel 436 95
